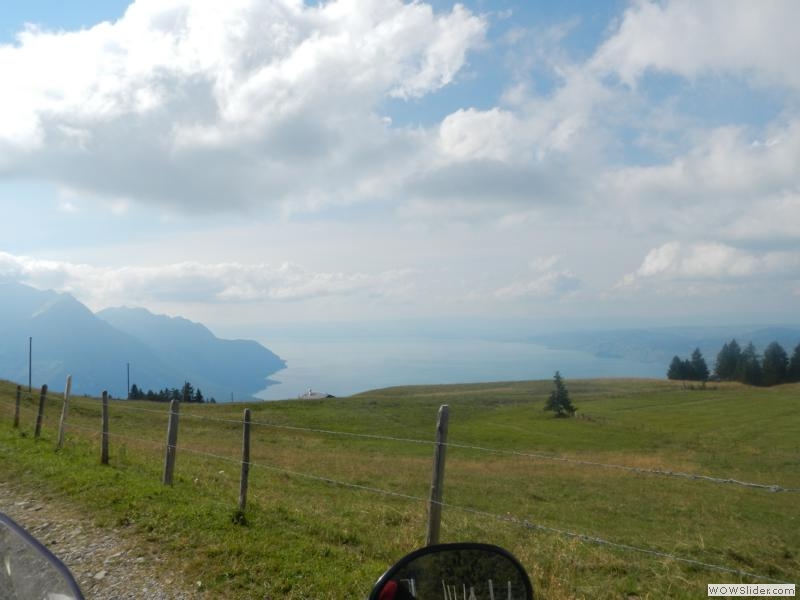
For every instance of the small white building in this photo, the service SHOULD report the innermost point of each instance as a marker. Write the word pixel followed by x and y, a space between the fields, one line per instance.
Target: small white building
pixel 312 395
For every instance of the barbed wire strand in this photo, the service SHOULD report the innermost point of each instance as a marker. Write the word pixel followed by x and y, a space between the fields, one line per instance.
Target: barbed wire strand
pixel 504 518
pixel 276 425
pixel 127 438
pixel 92 431
pixel 117 405
pixel 639 470
pixel 31 410
pixel 22 406
pixel 540 456
pixel 280 426
pixel 619 546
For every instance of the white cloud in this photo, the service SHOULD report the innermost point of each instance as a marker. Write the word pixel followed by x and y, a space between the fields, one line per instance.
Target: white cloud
pixel 471 134
pixel 205 105
pixel 692 39
pixel 729 160
pixel 531 129
pixel 548 285
pixel 548 282
pixel 772 218
pixel 545 263
pixel 192 282
pixel 449 36
pixel 712 262
pixel 727 179
pixel 695 176
pixel 534 153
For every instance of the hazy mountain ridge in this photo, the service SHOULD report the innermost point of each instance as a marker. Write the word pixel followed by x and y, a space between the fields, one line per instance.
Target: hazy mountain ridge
pixel 192 349
pixel 661 344
pixel 162 351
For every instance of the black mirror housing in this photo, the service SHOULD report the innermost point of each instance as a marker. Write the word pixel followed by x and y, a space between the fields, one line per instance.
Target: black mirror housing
pixel 463 571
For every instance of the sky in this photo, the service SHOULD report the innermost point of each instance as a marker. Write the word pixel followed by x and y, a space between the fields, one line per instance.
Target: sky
pixel 279 161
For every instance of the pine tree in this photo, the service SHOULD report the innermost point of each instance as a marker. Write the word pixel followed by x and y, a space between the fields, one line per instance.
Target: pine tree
pixel 774 364
pixel 675 369
pixel 721 367
pixel 559 401
pixel 728 361
pixel 749 368
pixel 689 370
pixel 793 370
pixel 699 366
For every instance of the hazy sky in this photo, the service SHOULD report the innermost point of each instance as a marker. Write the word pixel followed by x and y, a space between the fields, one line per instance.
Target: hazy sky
pixel 256 161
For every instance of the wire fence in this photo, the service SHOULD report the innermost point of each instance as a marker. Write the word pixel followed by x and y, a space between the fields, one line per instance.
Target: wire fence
pixel 118 406
pixel 159 446
pixel 772 487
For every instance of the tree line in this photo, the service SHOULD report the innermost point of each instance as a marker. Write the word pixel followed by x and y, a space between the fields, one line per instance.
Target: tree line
pixel 745 365
pixel 187 393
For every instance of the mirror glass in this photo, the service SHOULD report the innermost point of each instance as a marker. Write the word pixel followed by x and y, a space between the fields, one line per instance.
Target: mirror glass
pixel 455 572
pixel 28 570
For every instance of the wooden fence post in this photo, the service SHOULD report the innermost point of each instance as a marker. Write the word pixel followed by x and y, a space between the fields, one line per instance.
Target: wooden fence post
pixel 16 407
pixel 437 480
pixel 245 462
pixel 104 437
pixel 64 410
pixel 40 415
pixel 172 443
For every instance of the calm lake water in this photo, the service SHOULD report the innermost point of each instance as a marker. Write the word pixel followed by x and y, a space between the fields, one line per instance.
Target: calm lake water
pixel 346 367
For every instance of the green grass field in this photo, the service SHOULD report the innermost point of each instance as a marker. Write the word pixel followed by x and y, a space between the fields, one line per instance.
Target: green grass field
pixel 328 512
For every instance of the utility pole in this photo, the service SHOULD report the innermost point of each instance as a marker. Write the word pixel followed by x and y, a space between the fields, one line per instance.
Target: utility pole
pixel 30 363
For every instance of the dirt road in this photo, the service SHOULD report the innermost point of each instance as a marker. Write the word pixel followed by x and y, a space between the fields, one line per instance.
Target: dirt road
pixel 106 564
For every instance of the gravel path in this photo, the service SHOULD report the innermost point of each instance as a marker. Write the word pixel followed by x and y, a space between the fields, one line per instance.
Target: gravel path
pixel 106 565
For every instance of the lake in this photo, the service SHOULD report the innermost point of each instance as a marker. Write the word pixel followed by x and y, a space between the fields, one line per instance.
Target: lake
pixel 343 367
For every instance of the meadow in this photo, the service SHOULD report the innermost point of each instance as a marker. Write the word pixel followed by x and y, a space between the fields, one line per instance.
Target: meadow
pixel 339 487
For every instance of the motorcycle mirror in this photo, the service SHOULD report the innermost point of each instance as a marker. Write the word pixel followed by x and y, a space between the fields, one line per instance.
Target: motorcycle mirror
pixel 463 571
pixel 28 570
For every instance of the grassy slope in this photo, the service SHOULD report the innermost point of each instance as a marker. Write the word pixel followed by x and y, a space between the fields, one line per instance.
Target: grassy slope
pixel 307 538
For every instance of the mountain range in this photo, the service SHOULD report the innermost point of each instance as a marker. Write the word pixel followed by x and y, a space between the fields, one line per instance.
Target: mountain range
pixel 98 348
pixel 163 352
